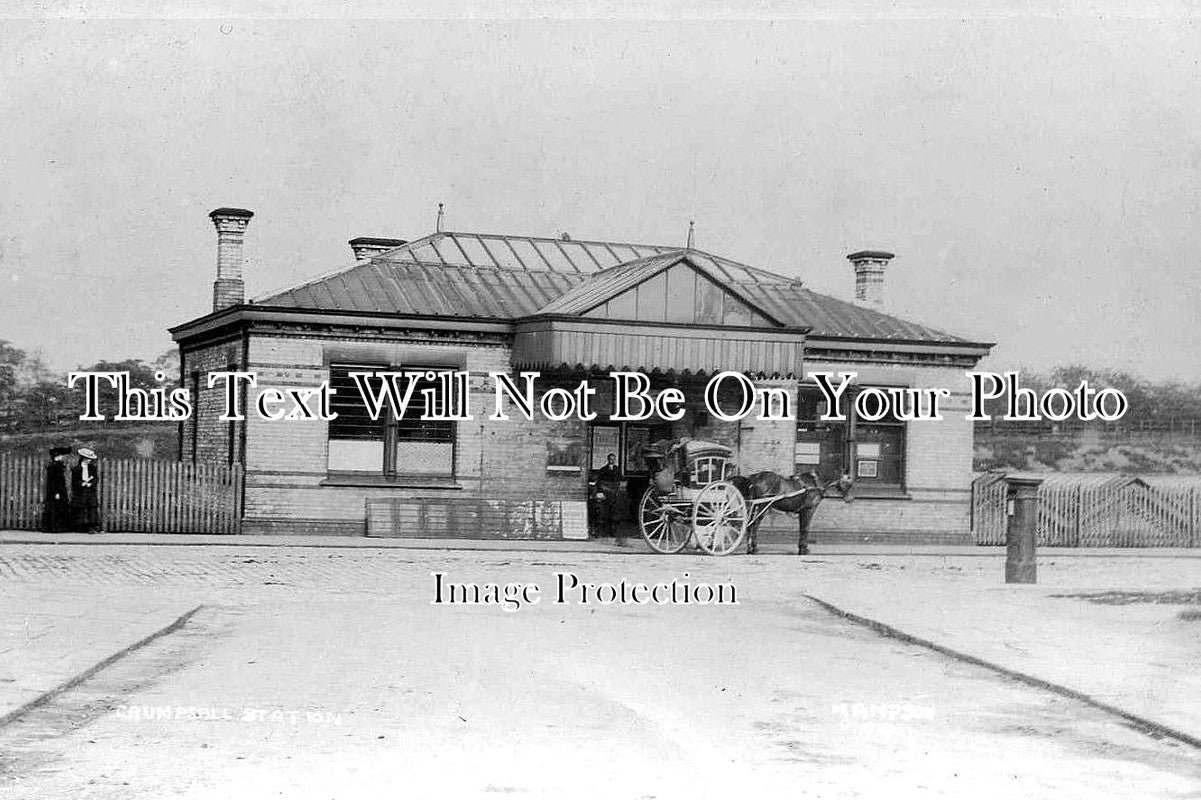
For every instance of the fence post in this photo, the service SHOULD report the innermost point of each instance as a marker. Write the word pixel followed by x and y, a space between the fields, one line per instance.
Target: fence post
pixel 1079 526
pixel 1193 517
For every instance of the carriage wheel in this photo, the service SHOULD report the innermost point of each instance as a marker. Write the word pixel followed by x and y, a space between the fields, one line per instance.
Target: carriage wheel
pixel 719 518
pixel 663 525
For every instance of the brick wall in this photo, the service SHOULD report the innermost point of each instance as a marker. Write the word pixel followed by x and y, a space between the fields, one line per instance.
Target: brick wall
pixel 938 471
pixel 768 444
pixel 205 437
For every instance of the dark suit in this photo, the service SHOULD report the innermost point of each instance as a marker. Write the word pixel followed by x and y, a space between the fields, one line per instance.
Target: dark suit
pixel 608 483
pixel 56 508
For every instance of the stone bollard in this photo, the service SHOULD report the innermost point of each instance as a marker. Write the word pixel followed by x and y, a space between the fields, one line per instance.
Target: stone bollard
pixel 1020 565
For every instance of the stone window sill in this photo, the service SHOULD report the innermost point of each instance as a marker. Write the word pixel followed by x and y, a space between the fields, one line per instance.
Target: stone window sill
pixel 861 492
pixel 391 481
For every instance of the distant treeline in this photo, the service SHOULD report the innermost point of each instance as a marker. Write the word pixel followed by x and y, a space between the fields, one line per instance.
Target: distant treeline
pixel 1165 406
pixel 35 398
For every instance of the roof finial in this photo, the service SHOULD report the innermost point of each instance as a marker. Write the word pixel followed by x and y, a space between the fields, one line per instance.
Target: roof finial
pixel 438 224
pixel 691 225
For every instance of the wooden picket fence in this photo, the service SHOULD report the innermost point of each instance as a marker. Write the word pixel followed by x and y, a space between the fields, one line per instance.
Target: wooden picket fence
pixel 136 495
pixel 1097 510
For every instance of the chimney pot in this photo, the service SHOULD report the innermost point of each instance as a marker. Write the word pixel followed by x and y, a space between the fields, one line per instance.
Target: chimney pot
pixel 229 288
pixel 365 247
pixel 869 275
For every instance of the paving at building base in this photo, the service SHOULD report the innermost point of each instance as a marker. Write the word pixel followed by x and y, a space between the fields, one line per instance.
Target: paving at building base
pixel 326 672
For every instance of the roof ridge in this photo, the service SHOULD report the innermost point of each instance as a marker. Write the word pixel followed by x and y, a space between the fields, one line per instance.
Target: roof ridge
pixel 747 267
pixel 489 267
pixel 557 240
pixel 666 260
pixel 662 248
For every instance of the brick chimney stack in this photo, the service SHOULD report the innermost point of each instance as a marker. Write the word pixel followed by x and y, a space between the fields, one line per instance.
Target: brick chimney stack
pixel 229 289
pixel 869 275
pixel 368 247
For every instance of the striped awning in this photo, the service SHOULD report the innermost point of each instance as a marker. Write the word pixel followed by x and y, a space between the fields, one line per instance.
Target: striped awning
pixel 602 346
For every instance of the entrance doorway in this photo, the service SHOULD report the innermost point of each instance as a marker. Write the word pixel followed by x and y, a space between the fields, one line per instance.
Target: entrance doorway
pixel 626 440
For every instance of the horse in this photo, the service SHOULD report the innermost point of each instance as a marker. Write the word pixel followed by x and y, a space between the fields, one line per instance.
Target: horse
pixel 798 495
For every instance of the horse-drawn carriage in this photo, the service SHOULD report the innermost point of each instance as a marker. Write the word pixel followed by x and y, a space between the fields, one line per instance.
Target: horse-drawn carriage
pixel 695 497
pixel 691 499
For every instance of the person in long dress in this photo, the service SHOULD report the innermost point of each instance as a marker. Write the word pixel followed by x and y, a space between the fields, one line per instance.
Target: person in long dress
pixel 85 492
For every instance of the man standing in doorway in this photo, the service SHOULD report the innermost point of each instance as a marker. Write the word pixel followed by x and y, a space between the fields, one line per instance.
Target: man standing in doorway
pixel 608 488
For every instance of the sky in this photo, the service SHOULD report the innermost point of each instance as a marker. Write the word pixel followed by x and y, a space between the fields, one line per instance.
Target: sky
pixel 1035 167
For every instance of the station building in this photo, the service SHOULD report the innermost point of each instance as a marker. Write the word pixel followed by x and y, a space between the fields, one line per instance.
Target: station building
pixel 571 309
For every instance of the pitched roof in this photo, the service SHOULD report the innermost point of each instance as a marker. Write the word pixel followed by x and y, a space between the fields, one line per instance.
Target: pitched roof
pixel 609 283
pixel 509 277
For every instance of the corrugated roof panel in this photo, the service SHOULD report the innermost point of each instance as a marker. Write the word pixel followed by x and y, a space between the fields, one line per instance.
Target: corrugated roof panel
pixel 391 295
pixel 449 291
pixel 458 293
pixel 442 283
pixel 424 294
pixel 521 289
pixel 300 297
pixel 357 289
pixel 557 285
pixel 766 300
pixel 512 302
pixel 324 292
pixel 404 288
pixel 410 296
pixel 364 289
pixel 456 286
pixel 503 291
pixel 537 289
pixel 534 292
pixel 377 292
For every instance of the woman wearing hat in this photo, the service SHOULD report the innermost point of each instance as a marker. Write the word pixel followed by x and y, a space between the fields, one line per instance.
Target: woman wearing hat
pixel 85 492
pixel 56 508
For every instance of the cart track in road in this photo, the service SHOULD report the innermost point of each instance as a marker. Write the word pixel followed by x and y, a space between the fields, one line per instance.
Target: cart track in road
pixel 1151 728
pixel 28 741
pixel 41 700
